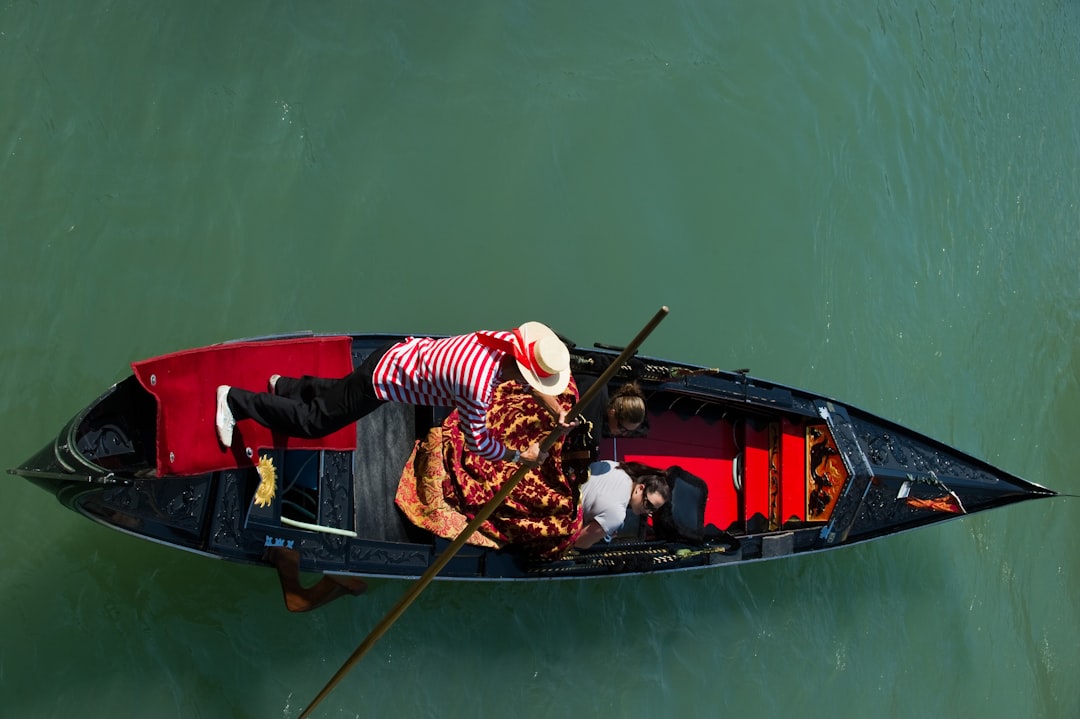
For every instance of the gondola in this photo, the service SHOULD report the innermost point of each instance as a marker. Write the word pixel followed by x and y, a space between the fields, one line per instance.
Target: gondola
pixel 758 471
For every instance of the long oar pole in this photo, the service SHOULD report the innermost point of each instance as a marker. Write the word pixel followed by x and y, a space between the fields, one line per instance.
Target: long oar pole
pixel 420 584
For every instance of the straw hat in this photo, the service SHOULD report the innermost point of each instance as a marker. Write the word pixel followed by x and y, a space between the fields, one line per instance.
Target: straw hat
pixel 542 358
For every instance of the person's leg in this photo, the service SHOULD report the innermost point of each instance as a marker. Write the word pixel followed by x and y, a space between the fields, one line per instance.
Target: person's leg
pixel 292 417
pixel 308 387
pixel 311 407
pixel 303 388
pixel 338 403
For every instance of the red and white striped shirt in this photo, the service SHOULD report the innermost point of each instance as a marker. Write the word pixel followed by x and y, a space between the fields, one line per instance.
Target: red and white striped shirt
pixel 457 372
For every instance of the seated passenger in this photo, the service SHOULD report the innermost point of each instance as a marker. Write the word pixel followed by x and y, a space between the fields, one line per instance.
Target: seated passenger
pixel 612 488
pixel 624 413
pixel 620 415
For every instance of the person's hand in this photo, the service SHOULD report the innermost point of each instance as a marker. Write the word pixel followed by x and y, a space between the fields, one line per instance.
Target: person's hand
pixel 533 455
pixel 565 424
pixel 556 410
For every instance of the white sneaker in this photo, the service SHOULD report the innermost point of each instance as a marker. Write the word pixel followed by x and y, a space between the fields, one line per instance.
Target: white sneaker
pixel 224 420
pixel 273 383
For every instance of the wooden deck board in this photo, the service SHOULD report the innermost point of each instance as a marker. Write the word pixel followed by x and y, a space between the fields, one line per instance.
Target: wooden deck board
pixel 384 440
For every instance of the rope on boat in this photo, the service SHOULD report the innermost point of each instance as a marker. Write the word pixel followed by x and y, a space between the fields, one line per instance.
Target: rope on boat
pixel 628 559
pixel 652 372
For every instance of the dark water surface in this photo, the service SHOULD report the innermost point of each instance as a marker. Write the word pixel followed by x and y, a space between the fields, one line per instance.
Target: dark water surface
pixel 873 200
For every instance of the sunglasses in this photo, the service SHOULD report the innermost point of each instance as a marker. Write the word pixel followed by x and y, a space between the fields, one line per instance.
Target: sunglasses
pixel 649 508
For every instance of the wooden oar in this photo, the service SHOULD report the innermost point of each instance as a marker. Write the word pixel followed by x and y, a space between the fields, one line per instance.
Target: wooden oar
pixel 410 596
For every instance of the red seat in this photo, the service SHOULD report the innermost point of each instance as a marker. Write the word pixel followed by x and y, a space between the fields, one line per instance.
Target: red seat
pixel 756 473
pixel 792 472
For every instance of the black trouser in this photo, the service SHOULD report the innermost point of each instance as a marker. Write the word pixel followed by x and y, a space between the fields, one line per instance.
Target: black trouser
pixel 311 407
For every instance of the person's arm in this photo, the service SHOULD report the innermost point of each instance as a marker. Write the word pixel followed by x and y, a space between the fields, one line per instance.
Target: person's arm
pixel 590 534
pixel 479 440
pixel 531 455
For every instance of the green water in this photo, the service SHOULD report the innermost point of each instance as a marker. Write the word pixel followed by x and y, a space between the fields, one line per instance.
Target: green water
pixel 877 201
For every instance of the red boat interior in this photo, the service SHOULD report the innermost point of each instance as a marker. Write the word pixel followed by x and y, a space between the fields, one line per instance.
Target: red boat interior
pixel 184 384
pixel 762 474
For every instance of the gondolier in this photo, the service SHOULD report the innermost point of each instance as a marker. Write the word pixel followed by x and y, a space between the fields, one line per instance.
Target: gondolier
pixel 460 372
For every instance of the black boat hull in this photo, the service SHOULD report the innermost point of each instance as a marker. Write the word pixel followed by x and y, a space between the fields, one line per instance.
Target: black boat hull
pixel 862 477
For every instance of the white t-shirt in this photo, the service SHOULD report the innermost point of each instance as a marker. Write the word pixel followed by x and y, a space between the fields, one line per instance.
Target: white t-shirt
pixel 605 496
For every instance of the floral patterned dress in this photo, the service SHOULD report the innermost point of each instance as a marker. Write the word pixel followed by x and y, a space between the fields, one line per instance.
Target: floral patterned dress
pixel 444 486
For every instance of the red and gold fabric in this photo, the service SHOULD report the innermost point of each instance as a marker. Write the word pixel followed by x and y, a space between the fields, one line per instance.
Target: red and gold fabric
pixel 444 486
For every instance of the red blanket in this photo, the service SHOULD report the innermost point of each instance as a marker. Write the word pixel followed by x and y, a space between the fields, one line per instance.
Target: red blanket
pixel 185 383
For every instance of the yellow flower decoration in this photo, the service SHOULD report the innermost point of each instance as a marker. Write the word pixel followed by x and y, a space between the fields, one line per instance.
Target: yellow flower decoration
pixel 267 481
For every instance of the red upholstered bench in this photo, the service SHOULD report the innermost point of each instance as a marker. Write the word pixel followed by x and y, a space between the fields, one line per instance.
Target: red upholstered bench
pixel 756 477
pixel 792 472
